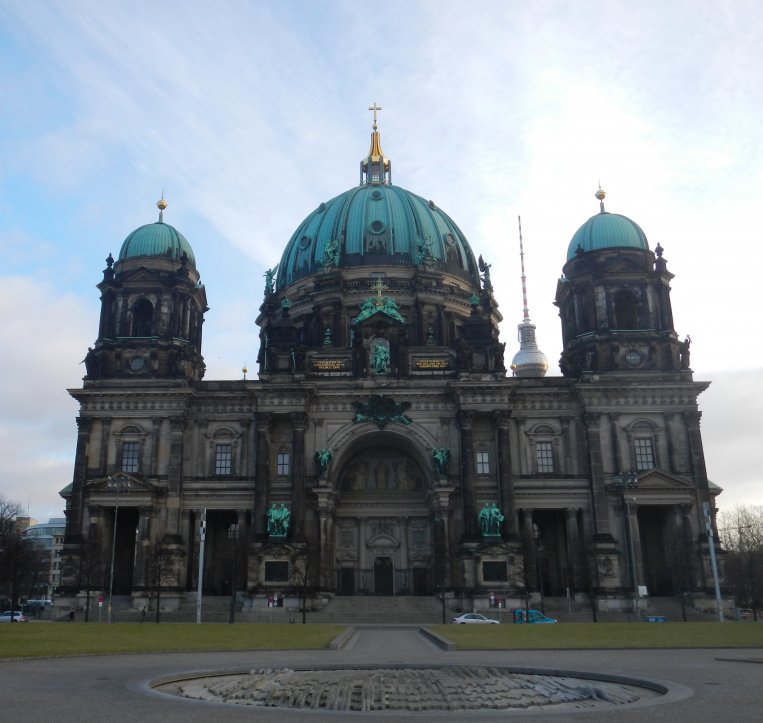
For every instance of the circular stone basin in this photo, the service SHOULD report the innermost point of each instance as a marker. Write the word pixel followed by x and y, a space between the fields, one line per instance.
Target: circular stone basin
pixel 410 688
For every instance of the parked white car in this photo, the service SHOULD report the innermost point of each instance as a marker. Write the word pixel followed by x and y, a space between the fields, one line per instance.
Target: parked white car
pixel 13 617
pixel 473 618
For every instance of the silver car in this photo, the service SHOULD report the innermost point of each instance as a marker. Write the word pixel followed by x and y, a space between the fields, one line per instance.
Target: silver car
pixel 13 617
pixel 474 618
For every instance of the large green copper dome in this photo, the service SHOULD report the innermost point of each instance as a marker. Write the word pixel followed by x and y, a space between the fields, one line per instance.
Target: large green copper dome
pixel 605 231
pixel 376 224
pixel 157 239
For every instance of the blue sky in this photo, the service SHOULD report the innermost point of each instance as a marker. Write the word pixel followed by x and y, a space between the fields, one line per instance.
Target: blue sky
pixel 250 114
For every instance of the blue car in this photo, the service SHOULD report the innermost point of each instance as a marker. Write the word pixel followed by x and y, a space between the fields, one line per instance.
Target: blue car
pixel 531 616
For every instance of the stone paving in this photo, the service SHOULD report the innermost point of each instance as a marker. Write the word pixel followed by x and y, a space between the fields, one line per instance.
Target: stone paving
pixel 702 685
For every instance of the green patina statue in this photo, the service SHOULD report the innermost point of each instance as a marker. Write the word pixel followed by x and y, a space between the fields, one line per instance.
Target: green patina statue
pixel 440 458
pixel 381 358
pixel 490 518
pixel 323 459
pixel 278 521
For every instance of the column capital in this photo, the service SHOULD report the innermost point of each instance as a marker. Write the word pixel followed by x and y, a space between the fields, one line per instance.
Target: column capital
pixel 465 420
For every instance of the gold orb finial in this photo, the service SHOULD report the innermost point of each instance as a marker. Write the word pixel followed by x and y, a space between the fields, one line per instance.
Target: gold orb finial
pixel 161 204
pixel 601 195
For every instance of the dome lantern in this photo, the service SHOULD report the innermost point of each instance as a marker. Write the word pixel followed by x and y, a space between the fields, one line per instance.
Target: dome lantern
pixel 375 168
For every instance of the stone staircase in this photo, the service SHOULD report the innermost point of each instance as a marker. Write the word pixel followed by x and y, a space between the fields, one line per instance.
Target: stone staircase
pixel 380 611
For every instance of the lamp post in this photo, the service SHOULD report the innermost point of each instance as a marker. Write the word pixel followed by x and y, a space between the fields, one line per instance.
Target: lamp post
pixel 202 543
pixel 624 482
pixel 117 482
pixel 713 563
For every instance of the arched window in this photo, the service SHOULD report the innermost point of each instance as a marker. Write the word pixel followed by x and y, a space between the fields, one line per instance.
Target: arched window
pixel 626 312
pixel 643 442
pixel 222 443
pixel 142 318
pixel 544 451
pixel 130 449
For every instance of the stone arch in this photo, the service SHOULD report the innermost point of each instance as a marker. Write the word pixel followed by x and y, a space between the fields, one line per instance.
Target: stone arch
pixel 417 441
pixel 142 312
pixel 382 464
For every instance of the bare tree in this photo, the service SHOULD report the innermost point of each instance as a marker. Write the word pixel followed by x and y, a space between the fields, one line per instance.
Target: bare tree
pixel 304 576
pixel 161 570
pixel 741 534
pixel 19 555
pixel 92 565
pixel 679 557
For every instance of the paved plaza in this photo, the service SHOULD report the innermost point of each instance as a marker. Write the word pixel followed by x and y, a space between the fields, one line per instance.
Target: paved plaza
pixel 703 685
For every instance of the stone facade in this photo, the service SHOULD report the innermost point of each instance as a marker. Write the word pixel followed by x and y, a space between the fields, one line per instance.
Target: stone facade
pixel 382 424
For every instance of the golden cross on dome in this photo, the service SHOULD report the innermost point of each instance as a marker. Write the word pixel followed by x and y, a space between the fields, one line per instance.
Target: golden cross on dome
pixel 374 108
pixel 379 287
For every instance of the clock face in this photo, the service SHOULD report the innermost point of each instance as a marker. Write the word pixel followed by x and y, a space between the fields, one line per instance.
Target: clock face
pixel 137 363
pixel 633 357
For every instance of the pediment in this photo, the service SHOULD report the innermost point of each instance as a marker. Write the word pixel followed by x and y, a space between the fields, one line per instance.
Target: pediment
pixel 623 266
pixel 126 483
pixel 660 480
pixel 141 274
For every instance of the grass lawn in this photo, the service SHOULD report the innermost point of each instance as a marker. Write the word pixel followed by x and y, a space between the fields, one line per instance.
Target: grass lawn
pixel 589 636
pixel 60 639
pixel 26 640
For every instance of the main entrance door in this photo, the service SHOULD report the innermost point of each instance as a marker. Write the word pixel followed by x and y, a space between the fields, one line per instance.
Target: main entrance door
pixel 383 576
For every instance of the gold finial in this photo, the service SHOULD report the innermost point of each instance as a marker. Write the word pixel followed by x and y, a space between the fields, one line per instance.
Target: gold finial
pixel 601 195
pixel 161 204
pixel 244 370
pixel 374 108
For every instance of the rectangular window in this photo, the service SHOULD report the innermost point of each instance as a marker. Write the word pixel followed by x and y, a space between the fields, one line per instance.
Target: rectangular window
pixel 224 459
pixel 494 572
pixel 544 455
pixel 276 571
pixel 282 464
pixel 644 454
pixel 483 462
pixel 130 453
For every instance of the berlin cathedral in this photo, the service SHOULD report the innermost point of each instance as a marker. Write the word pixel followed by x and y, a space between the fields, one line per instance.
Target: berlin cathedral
pixel 391 444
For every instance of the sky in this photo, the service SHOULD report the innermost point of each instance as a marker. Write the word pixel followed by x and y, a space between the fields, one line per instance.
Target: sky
pixel 248 115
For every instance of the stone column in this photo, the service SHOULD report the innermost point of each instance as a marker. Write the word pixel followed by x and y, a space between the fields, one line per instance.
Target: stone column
pixel 523 444
pixel 299 425
pixel 103 460
pixel 175 475
pixel 262 481
pixel 600 507
pixel 468 474
pixel 574 555
pixel 76 510
pixel 502 421
pixel 617 461
pixel 156 432
pixel 243 468
pixel 698 469
pixel 563 464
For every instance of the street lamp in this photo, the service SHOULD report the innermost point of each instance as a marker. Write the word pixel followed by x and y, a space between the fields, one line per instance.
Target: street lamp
pixel 119 483
pixel 625 482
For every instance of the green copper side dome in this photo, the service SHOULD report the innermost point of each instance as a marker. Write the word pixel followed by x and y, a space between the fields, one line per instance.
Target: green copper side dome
pixel 376 224
pixel 157 239
pixel 605 231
